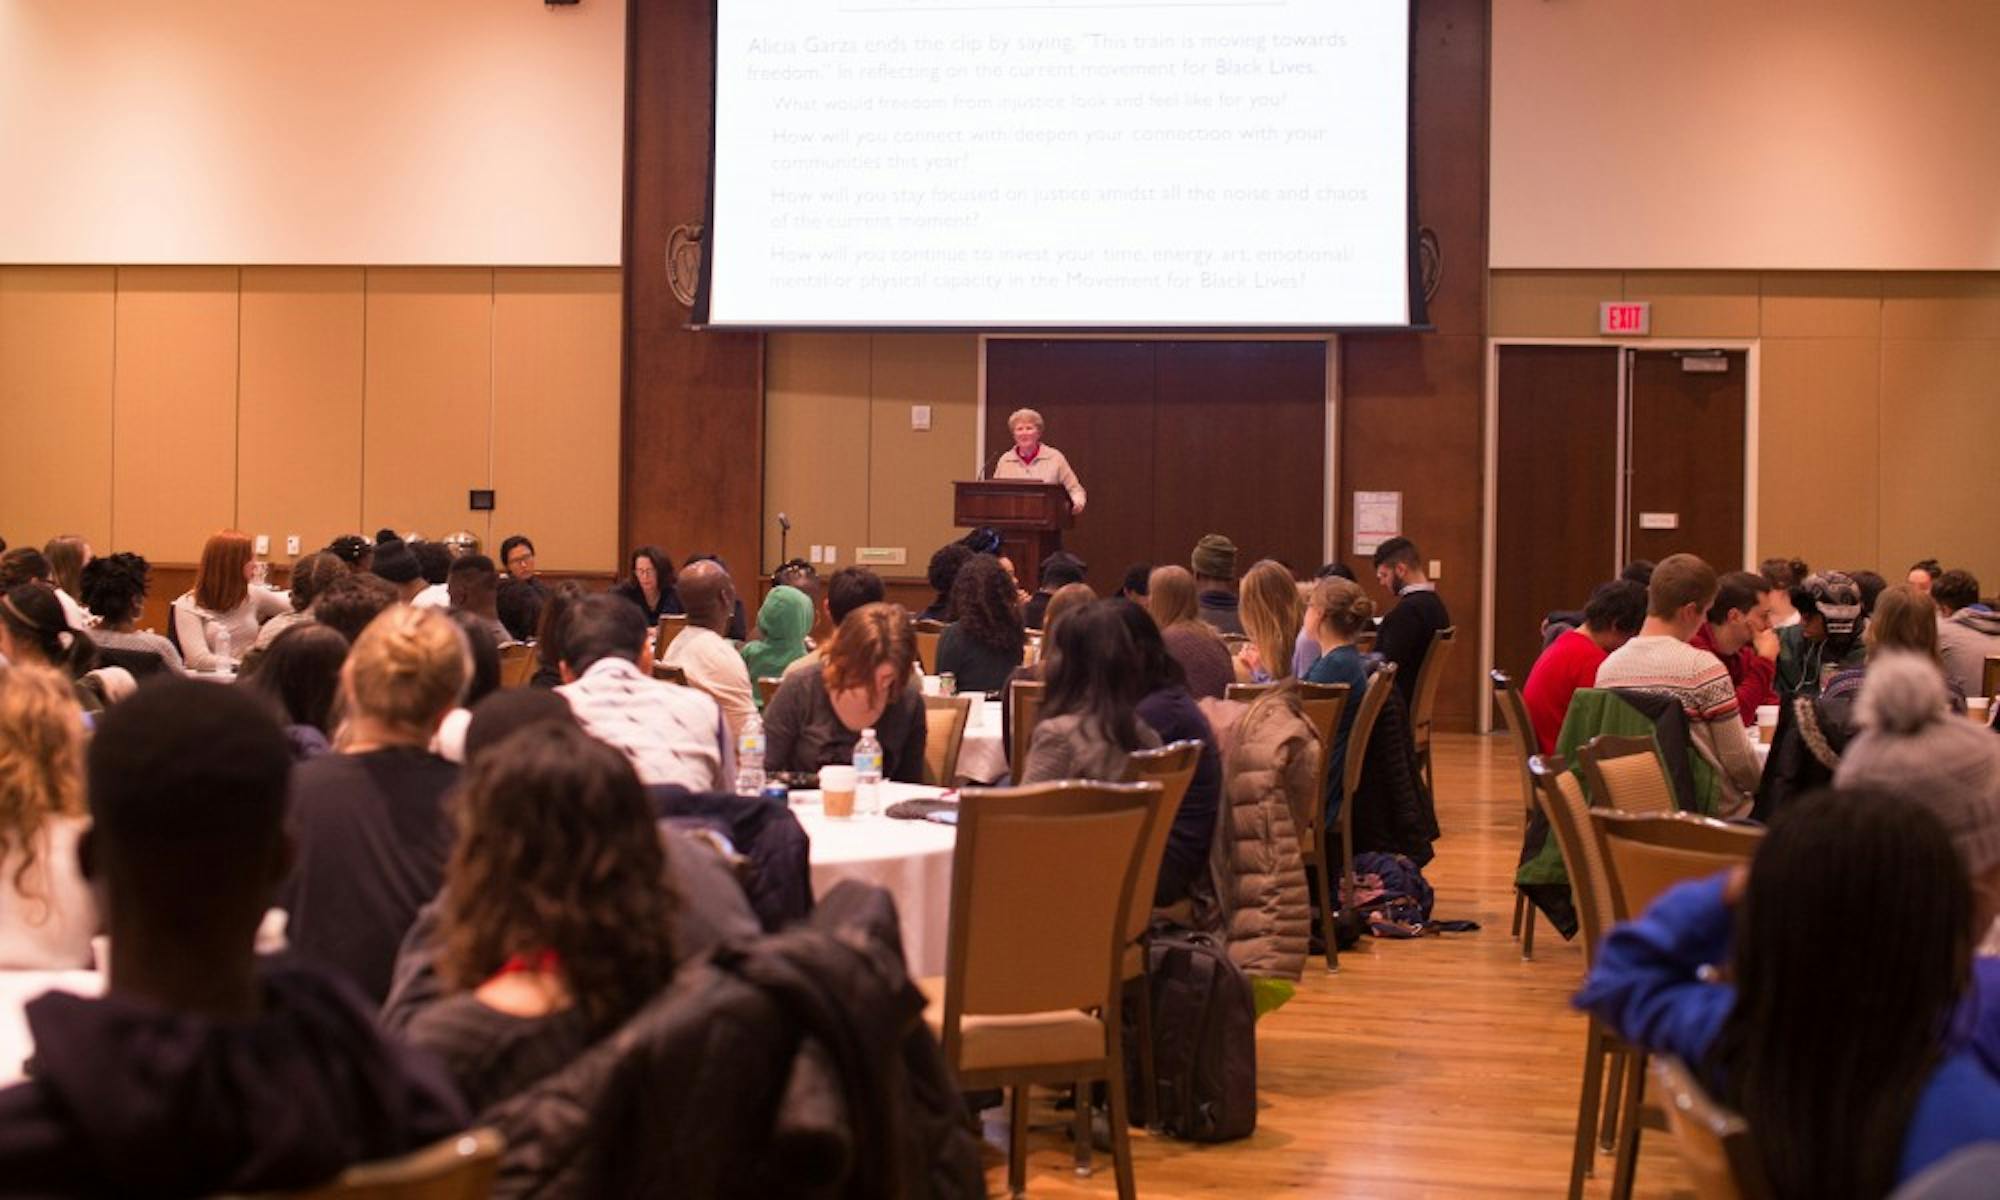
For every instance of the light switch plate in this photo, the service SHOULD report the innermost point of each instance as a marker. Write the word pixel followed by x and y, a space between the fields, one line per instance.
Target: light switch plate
pixel 1437 569
pixel 1659 520
pixel 812 553
pixel 920 417
pixel 292 544
pixel 263 543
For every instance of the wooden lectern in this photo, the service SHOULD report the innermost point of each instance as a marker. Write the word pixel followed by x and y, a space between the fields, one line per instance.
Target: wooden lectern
pixel 1029 515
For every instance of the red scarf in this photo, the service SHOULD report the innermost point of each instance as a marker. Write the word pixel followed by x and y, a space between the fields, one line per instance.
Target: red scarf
pixel 1028 460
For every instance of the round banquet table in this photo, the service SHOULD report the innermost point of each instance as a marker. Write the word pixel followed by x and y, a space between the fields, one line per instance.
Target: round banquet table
pixel 909 859
pixel 982 757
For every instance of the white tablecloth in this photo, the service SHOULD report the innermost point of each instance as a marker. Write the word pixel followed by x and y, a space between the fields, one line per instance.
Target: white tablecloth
pixel 16 989
pixel 983 758
pixel 911 859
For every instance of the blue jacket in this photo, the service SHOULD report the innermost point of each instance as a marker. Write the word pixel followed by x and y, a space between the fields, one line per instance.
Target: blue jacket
pixel 1645 987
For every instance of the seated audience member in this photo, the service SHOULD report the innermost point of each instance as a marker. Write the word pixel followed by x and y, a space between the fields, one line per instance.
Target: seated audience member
pixel 548 633
pixel 395 562
pixel 351 602
pixel 1738 632
pixel 1660 661
pixel 34 632
pixel 519 607
pixel 782 624
pixel 1133 589
pixel 709 660
pixel 1090 721
pixel 114 589
pixel 671 734
pixel 68 555
pixel 1305 648
pixel 300 675
pixel 1192 642
pixel 1826 638
pixel 434 564
pixel 1923 576
pixel 1851 1086
pixel 985 641
pixel 800 574
pixel 846 590
pixel 1270 612
pixel 1905 620
pixel 1639 571
pixel 1781 575
pixel 738 629
pixel 555 922
pixel 370 818
pixel 1871 586
pixel 474 588
pixel 1059 570
pixel 1213 564
pixel 1070 598
pixel 203 1069
pixel 941 574
pixel 1404 636
pixel 1968 631
pixel 355 549
pixel 485 680
pixel 311 576
pixel 24 564
pixel 1169 711
pixel 1615 613
pixel 651 584
pixel 216 622
pixel 47 912
pixel 505 713
pixel 983 540
pixel 863 683
pixel 1339 611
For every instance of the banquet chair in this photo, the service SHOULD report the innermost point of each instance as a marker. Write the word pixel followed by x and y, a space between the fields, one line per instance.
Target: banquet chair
pixel 1323 703
pixel 1423 701
pixel 1173 768
pixel 1715 1143
pixel 669 674
pixel 1521 731
pixel 670 628
pixel 1246 692
pixel 517 664
pixel 1372 701
pixel 1625 773
pixel 461 1167
pixel 945 718
pixel 927 649
pixel 1562 802
pixel 767 687
pixel 1024 708
pixel 1042 882
pixel 1989 684
pixel 1644 855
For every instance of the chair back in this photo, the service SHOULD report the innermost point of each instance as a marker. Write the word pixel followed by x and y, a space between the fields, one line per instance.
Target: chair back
pixel 461 1167
pixel 1425 697
pixel 767 687
pixel 517 664
pixel 1041 880
pixel 1322 704
pixel 141 663
pixel 1649 853
pixel 1024 708
pixel 670 628
pixel 1561 797
pixel 1372 700
pixel 1715 1144
pixel 945 718
pixel 1520 731
pixel 662 671
pixel 927 648
pixel 1626 773
pixel 1989 684
pixel 1246 692
pixel 1172 767
pixel 928 625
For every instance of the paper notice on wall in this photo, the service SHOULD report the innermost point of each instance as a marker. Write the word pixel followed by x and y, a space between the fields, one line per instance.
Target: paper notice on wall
pixel 1378 516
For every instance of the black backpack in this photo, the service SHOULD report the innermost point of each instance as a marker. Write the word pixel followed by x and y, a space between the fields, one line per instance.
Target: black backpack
pixel 1204 1041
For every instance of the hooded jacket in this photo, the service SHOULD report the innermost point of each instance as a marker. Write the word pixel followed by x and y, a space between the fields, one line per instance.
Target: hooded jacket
pixel 1967 638
pixel 1271 755
pixel 782 625
pixel 126 1099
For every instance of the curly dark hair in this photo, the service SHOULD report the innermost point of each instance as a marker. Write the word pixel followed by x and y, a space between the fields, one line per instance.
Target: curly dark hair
pixel 985 606
pixel 558 854
pixel 113 586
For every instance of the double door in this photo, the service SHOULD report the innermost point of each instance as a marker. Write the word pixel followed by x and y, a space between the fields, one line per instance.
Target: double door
pixel 1607 454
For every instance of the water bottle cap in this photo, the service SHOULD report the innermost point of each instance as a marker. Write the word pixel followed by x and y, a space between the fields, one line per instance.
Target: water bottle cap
pixel 868 732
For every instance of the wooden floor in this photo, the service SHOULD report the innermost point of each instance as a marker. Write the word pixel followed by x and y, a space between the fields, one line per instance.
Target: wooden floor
pixel 1444 1067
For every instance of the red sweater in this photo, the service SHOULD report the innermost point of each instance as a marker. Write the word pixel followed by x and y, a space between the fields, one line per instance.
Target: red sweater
pixel 1754 675
pixel 1570 662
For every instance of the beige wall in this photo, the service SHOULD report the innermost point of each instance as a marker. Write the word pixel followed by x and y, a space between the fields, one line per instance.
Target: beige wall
pixel 309 132
pixel 1879 398
pixel 839 454
pixel 1841 134
pixel 150 406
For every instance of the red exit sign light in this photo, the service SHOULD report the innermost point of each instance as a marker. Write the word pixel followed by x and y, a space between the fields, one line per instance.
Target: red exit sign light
pixel 1632 316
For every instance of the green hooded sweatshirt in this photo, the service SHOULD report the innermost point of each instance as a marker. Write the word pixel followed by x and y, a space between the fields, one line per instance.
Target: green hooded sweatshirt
pixel 782 625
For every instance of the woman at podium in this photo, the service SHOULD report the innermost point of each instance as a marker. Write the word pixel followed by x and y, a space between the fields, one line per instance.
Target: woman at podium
pixel 1030 459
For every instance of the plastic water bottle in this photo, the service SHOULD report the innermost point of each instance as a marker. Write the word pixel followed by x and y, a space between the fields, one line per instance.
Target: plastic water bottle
pixel 750 758
pixel 867 774
pixel 222 646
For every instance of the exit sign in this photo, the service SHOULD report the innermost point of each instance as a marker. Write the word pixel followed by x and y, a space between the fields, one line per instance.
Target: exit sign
pixel 1633 316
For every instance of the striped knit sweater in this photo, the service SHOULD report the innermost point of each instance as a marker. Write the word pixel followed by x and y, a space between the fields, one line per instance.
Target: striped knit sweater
pixel 1666 666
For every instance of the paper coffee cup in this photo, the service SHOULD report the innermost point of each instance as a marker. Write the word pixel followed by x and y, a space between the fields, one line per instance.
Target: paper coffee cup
pixel 1979 708
pixel 1767 722
pixel 836 791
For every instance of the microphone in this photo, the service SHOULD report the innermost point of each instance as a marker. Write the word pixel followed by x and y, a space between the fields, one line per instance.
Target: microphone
pixel 784 522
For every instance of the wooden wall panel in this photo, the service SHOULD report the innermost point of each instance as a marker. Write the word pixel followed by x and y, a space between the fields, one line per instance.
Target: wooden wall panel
pixel 555 413
pixel 1818 459
pixel 1820 304
pixel 173 476
pixel 1715 304
pixel 300 403
pixel 1550 303
pixel 1940 427
pixel 816 459
pixel 1941 306
pixel 55 386
pixel 911 472
pixel 428 415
